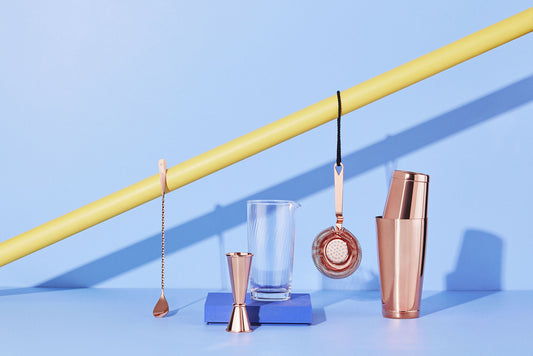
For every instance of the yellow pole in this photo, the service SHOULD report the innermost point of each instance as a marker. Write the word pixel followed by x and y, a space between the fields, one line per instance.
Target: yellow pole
pixel 267 136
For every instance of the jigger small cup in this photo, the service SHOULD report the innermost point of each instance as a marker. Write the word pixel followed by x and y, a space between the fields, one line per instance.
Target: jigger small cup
pixel 239 270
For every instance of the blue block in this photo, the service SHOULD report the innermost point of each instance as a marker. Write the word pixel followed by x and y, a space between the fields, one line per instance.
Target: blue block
pixel 297 310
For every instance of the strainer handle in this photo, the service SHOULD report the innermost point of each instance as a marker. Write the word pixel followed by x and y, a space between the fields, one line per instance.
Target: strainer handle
pixel 339 179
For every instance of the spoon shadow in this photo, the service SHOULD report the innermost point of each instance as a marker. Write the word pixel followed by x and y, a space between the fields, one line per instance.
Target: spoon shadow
pixel 175 311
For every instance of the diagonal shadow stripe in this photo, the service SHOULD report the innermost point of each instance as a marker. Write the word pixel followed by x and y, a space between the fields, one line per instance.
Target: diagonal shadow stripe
pixel 313 181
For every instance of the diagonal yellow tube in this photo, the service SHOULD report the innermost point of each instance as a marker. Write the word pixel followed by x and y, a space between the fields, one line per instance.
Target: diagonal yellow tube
pixel 267 136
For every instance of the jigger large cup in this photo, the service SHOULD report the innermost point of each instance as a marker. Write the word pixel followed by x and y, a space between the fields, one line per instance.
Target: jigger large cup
pixel 239 270
pixel 402 244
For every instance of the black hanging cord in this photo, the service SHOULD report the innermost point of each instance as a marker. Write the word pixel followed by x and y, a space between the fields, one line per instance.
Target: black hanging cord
pixel 339 128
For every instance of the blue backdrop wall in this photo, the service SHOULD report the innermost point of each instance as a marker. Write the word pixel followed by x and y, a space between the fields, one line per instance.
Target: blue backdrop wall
pixel 92 94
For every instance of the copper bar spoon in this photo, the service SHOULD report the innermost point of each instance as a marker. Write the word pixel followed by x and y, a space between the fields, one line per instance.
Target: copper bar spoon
pixel 161 308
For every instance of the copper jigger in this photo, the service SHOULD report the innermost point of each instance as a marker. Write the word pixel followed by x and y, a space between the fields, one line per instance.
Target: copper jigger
pixel 239 270
pixel 401 245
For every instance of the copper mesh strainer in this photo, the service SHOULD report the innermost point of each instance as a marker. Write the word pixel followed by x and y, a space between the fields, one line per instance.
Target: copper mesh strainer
pixel 336 251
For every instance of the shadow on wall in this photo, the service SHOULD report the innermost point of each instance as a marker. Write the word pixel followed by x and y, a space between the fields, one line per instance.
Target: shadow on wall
pixel 479 266
pixel 478 270
pixel 306 184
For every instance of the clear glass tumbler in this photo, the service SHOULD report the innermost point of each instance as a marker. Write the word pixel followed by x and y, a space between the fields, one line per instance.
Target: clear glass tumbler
pixel 271 240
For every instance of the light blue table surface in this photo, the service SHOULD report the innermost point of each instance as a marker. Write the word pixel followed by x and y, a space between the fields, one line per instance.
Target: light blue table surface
pixel 37 321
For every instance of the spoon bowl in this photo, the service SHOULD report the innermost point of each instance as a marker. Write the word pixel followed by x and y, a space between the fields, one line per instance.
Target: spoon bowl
pixel 161 308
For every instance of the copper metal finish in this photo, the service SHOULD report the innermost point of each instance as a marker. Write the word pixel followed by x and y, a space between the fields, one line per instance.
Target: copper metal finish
pixel 336 251
pixel 161 308
pixel 239 270
pixel 339 187
pixel 401 250
pixel 402 244
pixel 407 196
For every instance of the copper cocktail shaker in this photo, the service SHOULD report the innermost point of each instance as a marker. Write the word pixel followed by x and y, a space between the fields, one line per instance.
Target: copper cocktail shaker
pixel 402 244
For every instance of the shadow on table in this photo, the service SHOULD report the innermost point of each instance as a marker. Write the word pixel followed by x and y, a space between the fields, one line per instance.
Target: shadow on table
pixel 324 298
pixel 477 273
pixel 361 286
pixel 175 311
pixel 319 316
